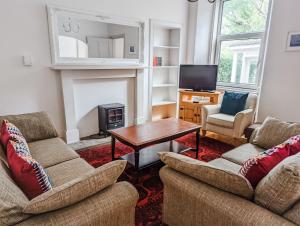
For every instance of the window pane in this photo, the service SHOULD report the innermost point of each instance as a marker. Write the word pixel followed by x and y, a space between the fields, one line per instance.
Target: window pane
pixel 244 16
pixel 238 61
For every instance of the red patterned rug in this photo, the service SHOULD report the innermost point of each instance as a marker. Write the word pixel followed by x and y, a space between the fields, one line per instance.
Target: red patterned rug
pixel 150 187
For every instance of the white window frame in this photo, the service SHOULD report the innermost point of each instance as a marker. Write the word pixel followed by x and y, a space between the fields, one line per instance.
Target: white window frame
pixel 217 39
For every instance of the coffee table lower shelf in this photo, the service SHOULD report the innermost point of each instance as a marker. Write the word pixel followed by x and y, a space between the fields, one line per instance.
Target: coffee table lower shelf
pixel 149 156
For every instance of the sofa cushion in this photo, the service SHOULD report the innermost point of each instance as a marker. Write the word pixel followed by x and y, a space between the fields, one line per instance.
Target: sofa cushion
pixel 9 131
pixel 221 120
pixel 77 189
pixel 259 166
pixel 27 172
pixel 50 152
pixel 226 165
pixel 34 126
pixel 233 102
pixel 221 178
pixel 67 171
pixel 242 153
pixel 3 155
pixel 12 199
pixel 274 132
pixel 280 189
pixel 293 214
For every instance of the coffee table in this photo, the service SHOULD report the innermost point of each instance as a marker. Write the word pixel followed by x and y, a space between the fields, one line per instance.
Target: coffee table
pixel 150 138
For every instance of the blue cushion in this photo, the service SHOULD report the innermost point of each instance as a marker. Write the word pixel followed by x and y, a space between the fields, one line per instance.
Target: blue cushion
pixel 233 103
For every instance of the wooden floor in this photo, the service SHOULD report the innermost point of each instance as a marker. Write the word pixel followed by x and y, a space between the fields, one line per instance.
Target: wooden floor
pixel 229 140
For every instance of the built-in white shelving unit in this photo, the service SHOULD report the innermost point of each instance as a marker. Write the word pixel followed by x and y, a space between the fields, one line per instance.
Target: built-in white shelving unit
pixel 165 42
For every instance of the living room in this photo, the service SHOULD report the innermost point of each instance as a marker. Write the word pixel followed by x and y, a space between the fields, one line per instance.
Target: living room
pixel 136 112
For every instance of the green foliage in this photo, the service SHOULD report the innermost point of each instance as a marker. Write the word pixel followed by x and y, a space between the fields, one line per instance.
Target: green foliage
pixel 244 16
pixel 240 16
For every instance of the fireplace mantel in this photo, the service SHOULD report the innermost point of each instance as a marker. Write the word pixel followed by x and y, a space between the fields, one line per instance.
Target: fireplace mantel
pixel 97 67
pixel 71 73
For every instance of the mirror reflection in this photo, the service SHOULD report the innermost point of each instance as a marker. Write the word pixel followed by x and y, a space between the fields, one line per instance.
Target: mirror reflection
pixel 82 38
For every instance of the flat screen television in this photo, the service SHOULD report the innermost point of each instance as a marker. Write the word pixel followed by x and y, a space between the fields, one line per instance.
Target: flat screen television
pixel 198 77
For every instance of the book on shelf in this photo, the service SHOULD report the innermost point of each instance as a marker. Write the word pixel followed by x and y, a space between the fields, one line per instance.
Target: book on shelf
pixel 157 61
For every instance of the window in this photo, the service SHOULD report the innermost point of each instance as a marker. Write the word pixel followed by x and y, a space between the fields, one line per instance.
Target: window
pixel 240 33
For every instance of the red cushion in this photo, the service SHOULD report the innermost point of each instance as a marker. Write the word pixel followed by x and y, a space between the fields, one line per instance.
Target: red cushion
pixel 8 131
pixel 258 167
pixel 28 174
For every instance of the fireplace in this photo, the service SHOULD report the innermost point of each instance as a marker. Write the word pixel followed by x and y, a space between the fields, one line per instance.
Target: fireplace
pixel 110 116
pixel 80 93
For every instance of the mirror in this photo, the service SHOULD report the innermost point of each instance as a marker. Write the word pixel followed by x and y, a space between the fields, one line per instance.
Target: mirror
pixel 85 38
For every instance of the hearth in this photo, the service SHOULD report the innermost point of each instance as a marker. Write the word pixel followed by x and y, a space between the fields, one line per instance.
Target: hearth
pixel 110 116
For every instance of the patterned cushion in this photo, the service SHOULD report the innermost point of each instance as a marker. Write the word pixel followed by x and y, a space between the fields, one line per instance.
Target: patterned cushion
pixel 221 178
pixel 77 189
pixel 8 131
pixel 259 166
pixel 274 132
pixel 280 189
pixel 27 173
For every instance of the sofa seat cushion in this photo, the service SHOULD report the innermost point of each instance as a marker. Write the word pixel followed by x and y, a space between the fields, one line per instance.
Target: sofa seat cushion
pixel 51 152
pixel 280 189
pixel 217 177
pixel 226 165
pixel 242 153
pixel 67 171
pixel 223 120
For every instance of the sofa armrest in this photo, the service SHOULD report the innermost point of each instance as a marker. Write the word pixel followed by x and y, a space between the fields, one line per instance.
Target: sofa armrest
pixel 209 110
pixel 191 202
pixel 77 189
pixel 113 206
pixel 242 120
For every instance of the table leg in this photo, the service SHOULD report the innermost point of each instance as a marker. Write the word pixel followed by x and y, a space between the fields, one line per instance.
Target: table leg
pixel 197 143
pixel 136 159
pixel 113 147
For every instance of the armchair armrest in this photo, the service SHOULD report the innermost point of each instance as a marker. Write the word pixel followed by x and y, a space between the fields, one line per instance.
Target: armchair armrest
pixel 241 121
pixel 77 189
pixel 209 110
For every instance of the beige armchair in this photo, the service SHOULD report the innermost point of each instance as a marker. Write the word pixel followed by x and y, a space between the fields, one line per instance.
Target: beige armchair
pixel 234 126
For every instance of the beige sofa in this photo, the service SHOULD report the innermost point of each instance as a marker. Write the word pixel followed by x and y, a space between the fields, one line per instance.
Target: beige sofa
pixel 229 125
pixel 190 201
pixel 114 203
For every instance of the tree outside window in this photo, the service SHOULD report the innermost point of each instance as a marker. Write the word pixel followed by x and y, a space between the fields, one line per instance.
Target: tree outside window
pixel 241 29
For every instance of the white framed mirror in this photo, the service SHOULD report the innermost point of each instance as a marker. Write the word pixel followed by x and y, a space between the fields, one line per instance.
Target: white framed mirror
pixel 88 38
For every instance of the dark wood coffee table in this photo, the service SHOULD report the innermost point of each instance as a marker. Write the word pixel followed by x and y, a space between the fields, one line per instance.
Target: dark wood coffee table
pixel 150 138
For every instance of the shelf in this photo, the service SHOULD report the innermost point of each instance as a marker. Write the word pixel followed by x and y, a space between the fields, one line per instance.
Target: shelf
pixel 166 47
pixel 163 102
pixel 163 85
pixel 165 67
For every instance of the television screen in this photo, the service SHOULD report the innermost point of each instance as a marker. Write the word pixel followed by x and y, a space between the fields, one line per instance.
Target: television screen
pixel 198 77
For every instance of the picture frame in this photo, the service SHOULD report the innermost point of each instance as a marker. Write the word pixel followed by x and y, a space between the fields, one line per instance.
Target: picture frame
pixel 293 41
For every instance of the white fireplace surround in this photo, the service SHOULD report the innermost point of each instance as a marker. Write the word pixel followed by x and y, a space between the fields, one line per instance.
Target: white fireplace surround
pixel 70 74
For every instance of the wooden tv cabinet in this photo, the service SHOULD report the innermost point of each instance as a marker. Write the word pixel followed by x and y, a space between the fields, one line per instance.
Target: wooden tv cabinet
pixel 190 111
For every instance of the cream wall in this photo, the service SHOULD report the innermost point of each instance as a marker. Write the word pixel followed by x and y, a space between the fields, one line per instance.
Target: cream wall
pixel 24 30
pixel 280 93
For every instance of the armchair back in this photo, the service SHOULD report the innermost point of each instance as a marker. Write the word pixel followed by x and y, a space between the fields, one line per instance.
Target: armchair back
pixel 251 101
